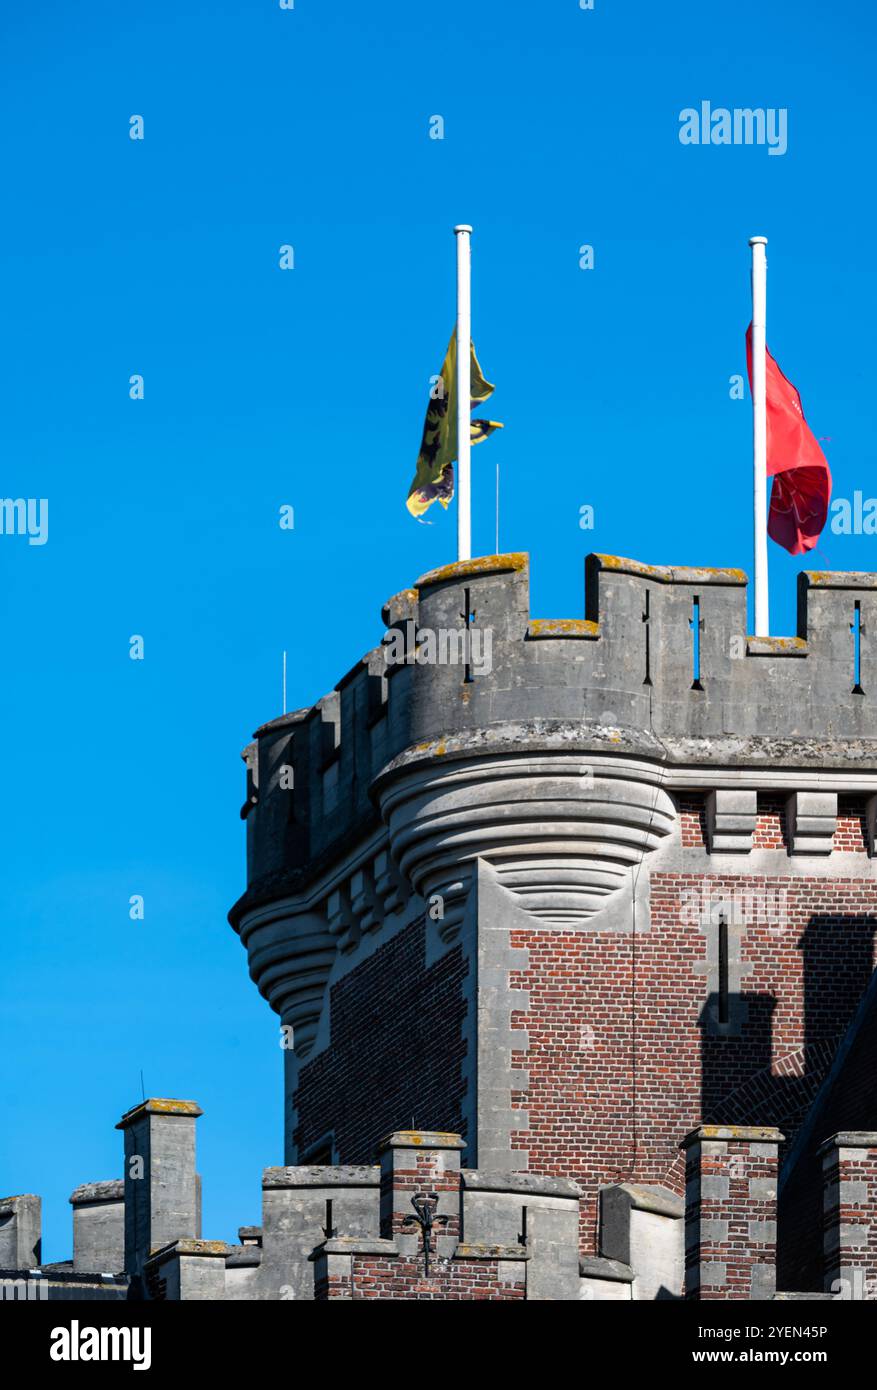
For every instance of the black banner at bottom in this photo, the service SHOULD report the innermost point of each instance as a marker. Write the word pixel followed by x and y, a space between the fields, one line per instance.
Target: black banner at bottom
pixel 64 1338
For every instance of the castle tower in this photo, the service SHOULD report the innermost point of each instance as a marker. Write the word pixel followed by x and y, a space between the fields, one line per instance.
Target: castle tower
pixel 574 888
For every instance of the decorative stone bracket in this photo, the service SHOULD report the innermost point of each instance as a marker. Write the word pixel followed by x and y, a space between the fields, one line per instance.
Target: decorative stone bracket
pixel 292 946
pixel 373 892
pixel 730 821
pixel 811 820
pixel 810 817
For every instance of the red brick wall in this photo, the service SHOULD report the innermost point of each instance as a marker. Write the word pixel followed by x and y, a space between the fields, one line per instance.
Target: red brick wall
pixel 394 1061
pixel 851 833
pixel 380 1277
pixel 770 823
pixel 692 820
pixel 620 1064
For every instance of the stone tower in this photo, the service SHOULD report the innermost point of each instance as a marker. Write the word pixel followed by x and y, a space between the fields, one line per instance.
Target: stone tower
pixel 598 895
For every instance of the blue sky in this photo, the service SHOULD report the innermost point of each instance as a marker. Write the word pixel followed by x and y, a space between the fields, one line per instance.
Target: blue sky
pixel 265 387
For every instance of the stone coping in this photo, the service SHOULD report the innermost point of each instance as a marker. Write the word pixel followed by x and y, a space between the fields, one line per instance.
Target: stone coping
pixel 484 564
pixel 399 608
pixel 93 1193
pixel 521 738
pixel 802 1298
pixel 667 574
pixel 272 726
pixel 528 1184
pixel 849 1139
pixel 491 1252
pixel 776 646
pixel 355 1245
pixel 755 755
pixel 743 1134
pixel 421 1139
pixel 62 1273
pixel 200 1248
pixel 187 1109
pixel 657 1200
pixel 742 761
pixel 335 1175
pixel 662 574
pixel 601 1267
pixel 583 628
pixel 243 1256
pixel 7 1204
pixel 837 579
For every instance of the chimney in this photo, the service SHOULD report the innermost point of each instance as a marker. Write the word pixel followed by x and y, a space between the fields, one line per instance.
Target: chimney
pixel 418 1163
pixel 162 1198
pixel 20 1221
pixel 730 1216
pixel 99 1227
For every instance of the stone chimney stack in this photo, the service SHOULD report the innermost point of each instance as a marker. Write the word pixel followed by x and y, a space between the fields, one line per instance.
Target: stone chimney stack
pixel 99 1227
pixel 20 1225
pixel 162 1198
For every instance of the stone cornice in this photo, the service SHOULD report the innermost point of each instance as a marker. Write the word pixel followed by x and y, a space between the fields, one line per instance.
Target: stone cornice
pixel 762 763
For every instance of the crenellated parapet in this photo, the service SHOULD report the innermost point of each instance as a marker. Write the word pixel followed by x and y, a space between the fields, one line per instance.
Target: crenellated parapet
pixel 660 665
pixel 420 1224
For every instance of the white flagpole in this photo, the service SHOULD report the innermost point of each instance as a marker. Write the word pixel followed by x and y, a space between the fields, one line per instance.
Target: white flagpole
pixel 464 334
pixel 759 431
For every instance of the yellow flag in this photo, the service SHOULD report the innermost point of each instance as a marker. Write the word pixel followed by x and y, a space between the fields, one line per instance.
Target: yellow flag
pixel 434 479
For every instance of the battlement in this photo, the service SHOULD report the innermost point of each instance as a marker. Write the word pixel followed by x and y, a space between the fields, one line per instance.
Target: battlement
pixel 660 667
pixel 420 1225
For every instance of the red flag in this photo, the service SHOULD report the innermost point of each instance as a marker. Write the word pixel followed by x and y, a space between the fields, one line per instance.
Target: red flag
pixel 801 488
